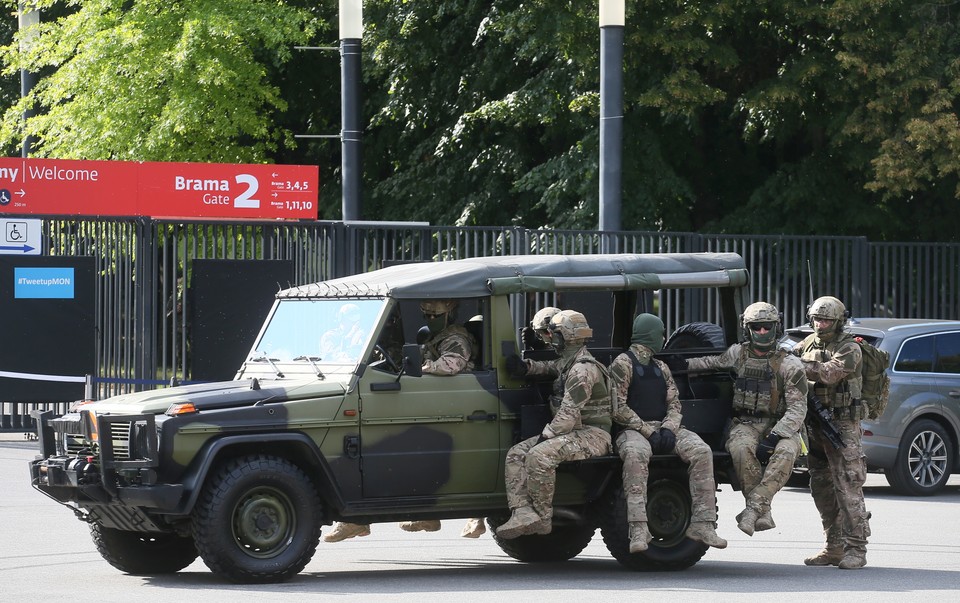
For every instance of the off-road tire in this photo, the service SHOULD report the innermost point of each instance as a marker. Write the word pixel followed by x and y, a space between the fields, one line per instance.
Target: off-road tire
pixel 925 460
pixel 668 517
pixel 564 542
pixel 696 335
pixel 257 520
pixel 141 553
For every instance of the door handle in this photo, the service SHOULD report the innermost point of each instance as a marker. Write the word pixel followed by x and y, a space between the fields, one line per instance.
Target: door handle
pixel 479 415
pixel 954 393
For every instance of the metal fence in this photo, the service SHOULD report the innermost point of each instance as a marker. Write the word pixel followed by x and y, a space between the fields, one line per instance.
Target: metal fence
pixel 144 271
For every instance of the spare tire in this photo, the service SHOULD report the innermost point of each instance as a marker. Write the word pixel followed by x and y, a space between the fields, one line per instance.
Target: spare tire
pixel 697 335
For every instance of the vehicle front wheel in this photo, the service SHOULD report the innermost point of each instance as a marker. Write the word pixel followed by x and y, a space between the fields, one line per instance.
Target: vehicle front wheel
pixel 143 553
pixel 925 460
pixel 565 541
pixel 668 516
pixel 257 520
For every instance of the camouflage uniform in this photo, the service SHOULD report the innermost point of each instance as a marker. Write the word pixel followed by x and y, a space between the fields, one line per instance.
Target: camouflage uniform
pixel 449 352
pixel 634 448
pixel 770 397
pixel 832 360
pixel 579 430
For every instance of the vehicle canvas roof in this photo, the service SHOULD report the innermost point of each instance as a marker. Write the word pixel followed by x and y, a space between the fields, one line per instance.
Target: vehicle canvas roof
pixel 510 274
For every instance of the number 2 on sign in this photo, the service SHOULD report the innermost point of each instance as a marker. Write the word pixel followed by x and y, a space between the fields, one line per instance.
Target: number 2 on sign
pixel 244 200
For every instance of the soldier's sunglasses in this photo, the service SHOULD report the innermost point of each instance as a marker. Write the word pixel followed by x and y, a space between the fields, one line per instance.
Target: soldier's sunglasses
pixel 757 326
pixel 432 315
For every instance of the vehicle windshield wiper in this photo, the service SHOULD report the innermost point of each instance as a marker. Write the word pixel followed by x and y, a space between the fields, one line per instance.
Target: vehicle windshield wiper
pixel 313 362
pixel 270 361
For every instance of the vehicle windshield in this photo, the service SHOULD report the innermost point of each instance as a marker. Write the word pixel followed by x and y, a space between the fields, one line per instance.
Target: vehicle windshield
pixel 318 331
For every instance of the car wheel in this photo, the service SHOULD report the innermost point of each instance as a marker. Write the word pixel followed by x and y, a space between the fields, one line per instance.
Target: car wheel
pixel 668 516
pixel 925 460
pixel 143 553
pixel 562 543
pixel 257 520
pixel 696 335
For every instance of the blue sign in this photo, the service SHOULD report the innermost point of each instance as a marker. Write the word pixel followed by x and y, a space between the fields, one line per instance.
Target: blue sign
pixel 43 283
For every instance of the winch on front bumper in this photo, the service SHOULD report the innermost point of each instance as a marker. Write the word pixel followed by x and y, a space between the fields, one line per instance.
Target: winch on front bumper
pixel 90 461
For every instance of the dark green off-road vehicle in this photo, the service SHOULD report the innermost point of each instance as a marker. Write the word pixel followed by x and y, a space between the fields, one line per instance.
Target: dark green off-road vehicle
pixel 312 430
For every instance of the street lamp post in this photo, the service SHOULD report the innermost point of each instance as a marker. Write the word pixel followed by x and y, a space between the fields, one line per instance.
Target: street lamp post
pixel 612 20
pixel 28 18
pixel 351 32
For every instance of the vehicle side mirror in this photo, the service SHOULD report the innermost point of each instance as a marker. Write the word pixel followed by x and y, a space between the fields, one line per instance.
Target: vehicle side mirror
pixel 412 361
pixel 423 335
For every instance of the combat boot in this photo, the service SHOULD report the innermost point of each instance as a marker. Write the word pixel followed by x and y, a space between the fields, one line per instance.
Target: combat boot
pixel 639 536
pixel 853 558
pixel 474 528
pixel 828 556
pixel 519 522
pixel 747 521
pixel 342 531
pixel 765 522
pixel 703 531
pixel 420 526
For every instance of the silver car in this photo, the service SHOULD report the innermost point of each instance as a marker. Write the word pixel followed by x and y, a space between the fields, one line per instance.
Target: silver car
pixel 915 443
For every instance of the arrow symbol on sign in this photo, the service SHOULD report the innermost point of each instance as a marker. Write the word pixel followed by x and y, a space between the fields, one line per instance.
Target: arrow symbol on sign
pixel 23 248
pixel 274 195
pixel 20 192
pixel 274 174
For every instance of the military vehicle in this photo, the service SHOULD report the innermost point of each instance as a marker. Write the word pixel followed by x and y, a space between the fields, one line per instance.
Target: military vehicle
pixel 330 418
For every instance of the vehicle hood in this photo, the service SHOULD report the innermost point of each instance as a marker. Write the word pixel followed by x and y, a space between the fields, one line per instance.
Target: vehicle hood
pixel 221 394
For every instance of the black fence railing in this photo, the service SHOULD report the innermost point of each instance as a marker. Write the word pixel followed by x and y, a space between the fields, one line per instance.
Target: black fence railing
pixel 144 271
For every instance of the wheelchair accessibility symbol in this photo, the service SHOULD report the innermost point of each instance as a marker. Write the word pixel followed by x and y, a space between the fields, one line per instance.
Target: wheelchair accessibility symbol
pixel 4 196
pixel 16 232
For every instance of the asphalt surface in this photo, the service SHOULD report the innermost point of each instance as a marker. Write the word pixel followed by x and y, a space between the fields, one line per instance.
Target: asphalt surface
pixel 914 555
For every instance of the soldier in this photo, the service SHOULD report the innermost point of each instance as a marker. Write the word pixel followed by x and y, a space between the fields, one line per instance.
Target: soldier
pixel 449 351
pixel 769 405
pixel 579 429
pixel 647 403
pixel 832 360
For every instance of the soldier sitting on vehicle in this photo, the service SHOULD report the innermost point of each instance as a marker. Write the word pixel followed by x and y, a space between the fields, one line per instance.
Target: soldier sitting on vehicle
pixel 646 402
pixel 769 405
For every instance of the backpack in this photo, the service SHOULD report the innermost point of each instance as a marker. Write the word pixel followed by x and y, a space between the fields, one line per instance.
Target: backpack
pixel 876 382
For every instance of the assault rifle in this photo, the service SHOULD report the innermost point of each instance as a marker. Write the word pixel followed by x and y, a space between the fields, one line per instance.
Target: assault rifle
pixel 821 415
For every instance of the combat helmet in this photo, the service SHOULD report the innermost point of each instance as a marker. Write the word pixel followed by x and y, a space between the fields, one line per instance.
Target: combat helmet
pixel 756 316
pixel 541 322
pixel 830 308
pixel 439 313
pixel 569 328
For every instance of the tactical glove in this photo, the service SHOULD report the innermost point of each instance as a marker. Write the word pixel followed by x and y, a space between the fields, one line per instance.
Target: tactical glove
pixel 668 440
pixel 766 446
pixel 529 338
pixel 516 367
pixel 654 441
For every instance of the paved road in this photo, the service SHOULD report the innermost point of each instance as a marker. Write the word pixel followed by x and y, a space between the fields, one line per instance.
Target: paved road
pixel 914 555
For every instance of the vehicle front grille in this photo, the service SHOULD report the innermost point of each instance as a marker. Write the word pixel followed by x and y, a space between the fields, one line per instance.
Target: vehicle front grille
pixel 119 435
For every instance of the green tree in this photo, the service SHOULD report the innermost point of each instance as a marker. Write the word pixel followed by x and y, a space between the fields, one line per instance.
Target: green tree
pixel 157 80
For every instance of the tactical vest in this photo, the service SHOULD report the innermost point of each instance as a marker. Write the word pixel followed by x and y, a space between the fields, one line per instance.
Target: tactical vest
pixel 596 411
pixel 756 391
pixel 647 394
pixel 838 395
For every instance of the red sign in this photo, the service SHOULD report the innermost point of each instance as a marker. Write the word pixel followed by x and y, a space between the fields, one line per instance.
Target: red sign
pixel 158 190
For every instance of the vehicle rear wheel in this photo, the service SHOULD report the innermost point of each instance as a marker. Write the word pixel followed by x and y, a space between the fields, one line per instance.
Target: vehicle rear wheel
pixel 668 516
pixel 257 520
pixel 143 553
pixel 925 460
pixel 565 541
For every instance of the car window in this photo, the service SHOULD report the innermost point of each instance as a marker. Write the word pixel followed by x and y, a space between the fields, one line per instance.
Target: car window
pixel 948 353
pixel 916 356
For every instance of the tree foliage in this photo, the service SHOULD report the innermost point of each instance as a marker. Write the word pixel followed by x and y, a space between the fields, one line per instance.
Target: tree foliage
pixel 156 79
pixel 751 116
